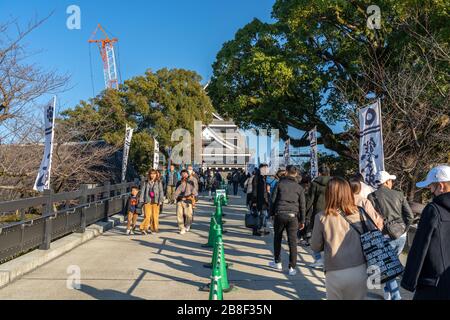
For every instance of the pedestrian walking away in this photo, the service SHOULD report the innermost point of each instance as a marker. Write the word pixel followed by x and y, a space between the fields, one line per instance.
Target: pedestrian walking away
pixel 260 199
pixel 427 270
pixel 397 216
pixel 316 204
pixel 288 209
pixel 344 262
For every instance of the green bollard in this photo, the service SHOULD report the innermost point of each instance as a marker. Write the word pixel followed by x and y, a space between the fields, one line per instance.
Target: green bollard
pixel 212 233
pixel 226 286
pixel 215 288
pixel 218 214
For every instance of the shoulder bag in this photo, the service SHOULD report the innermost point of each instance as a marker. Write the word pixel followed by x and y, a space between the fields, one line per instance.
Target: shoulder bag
pixel 379 254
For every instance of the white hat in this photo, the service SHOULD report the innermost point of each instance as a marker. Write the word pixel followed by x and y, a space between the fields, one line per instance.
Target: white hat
pixel 438 174
pixel 384 176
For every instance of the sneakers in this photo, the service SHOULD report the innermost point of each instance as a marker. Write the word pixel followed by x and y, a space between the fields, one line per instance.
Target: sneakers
pixel 128 232
pixel 317 264
pixel 188 228
pixel 275 265
pixel 387 295
pixel 292 272
pixel 182 231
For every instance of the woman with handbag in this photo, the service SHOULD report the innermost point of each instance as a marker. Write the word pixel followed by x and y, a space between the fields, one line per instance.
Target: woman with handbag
pixel 152 197
pixel 344 261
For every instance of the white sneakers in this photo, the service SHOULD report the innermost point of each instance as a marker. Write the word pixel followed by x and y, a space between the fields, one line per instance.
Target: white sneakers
pixel 279 266
pixel 387 295
pixel 182 231
pixel 188 228
pixel 128 232
pixel 275 265
pixel 317 264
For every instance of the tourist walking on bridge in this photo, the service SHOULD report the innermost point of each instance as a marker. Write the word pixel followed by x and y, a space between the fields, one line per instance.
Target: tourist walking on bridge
pixel 152 196
pixel 185 193
pixel 316 204
pixel 344 262
pixel 397 215
pixel 427 270
pixel 260 199
pixel 171 180
pixel 132 209
pixel 288 209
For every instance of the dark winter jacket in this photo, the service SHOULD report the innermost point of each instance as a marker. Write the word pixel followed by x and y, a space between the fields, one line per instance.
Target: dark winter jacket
pixel 392 205
pixel 316 197
pixel 289 197
pixel 260 196
pixel 427 269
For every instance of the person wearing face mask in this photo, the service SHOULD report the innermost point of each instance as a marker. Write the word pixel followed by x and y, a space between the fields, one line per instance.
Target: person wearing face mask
pixel 427 270
pixel 393 206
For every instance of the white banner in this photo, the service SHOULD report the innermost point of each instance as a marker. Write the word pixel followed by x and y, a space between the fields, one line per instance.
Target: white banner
pixel 312 137
pixel 156 155
pixel 43 178
pixel 126 150
pixel 286 152
pixel 371 155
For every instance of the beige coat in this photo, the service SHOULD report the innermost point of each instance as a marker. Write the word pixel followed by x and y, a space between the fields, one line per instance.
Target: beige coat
pixel 341 243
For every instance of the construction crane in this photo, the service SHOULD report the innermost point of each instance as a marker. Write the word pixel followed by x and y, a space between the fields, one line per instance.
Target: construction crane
pixel 106 47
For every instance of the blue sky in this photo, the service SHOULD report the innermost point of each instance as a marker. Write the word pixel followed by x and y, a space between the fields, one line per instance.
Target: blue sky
pixel 152 34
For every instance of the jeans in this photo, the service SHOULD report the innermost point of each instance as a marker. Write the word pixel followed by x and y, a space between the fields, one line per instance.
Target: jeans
pixel 392 285
pixel 282 222
pixel 317 256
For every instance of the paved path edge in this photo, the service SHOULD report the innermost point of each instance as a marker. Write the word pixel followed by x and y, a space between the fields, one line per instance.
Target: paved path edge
pixel 16 268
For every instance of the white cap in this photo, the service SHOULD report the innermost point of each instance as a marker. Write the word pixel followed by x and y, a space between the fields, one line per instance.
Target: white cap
pixel 384 176
pixel 438 174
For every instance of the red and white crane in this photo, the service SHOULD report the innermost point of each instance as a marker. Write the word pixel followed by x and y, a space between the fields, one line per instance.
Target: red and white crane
pixel 106 47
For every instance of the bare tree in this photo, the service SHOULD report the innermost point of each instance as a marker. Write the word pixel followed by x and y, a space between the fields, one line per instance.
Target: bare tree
pixel 21 82
pixel 415 108
pixel 74 162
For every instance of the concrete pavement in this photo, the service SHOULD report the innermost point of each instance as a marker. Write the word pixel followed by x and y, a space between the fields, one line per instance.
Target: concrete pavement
pixel 170 266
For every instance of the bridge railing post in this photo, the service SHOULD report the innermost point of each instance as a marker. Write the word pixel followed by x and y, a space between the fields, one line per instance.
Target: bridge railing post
pixel 107 200
pixel 47 213
pixel 82 202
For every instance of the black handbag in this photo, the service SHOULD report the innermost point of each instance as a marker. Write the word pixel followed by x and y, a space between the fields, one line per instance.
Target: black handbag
pixel 252 220
pixel 377 250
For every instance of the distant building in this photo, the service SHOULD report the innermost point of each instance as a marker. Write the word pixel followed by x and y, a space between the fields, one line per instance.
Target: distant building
pixel 224 146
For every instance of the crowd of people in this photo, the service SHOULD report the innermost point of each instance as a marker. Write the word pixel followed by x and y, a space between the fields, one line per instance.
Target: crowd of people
pixel 176 187
pixel 323 213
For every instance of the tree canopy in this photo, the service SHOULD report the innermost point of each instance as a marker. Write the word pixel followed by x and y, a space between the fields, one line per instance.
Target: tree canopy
pixel 319 62
pixel 154 104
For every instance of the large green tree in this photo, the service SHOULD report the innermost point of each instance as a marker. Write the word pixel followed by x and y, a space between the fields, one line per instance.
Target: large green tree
pixel 319 62
pixel 154 104
pixel 286 73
